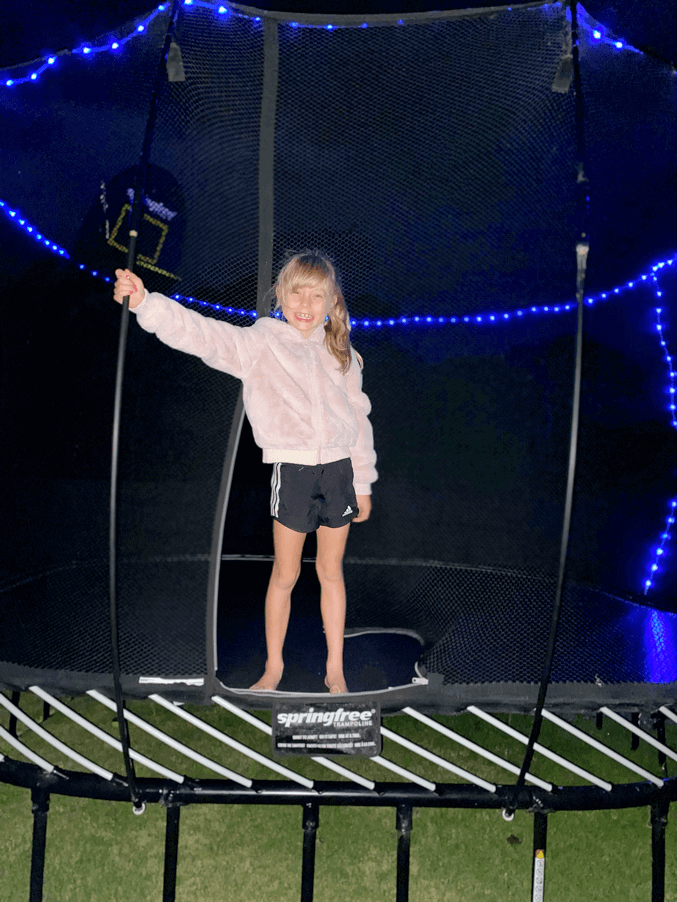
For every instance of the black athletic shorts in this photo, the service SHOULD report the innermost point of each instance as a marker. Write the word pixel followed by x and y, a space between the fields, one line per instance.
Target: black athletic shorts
pixel 303 498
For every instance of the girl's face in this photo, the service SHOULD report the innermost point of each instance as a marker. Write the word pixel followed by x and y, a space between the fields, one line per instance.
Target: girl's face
pixel 305 307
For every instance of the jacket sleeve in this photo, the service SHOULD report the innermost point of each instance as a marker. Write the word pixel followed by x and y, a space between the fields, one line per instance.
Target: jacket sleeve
pixel 362 454
pixel 225 347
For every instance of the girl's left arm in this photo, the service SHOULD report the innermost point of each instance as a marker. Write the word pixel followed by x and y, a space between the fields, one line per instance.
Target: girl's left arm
pixel 362 454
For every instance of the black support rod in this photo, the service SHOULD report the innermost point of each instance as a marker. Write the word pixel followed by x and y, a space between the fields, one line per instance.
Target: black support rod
pixel 404 822
pixel 267 163
pixel 171 853
pixel 582 247
pixel 40 806
pixel 135 222
pixel 659 820
pixel 540 843
pixel 266 185
pixel 13 722
pixel 311 820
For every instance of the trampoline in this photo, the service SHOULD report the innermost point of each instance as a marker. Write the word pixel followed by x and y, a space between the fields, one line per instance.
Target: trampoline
pixel 520 556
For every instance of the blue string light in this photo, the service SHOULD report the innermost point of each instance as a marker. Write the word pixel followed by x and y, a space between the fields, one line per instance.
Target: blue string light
pixel 16 217
pixel 597 34
pixel 672 406
pixel 417 320
pixel 659 552
pixel 85 50
pixel 421 319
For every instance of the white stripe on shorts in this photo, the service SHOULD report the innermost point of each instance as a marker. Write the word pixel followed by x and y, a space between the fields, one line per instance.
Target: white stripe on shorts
pixel 275 490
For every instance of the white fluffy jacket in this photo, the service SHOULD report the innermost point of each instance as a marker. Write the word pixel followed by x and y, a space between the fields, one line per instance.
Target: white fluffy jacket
pixel 301 408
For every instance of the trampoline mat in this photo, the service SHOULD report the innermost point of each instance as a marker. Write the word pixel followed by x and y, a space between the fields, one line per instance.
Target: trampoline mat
pixel 373 660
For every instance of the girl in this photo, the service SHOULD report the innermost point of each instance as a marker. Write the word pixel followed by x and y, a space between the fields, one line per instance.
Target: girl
pixel 303 395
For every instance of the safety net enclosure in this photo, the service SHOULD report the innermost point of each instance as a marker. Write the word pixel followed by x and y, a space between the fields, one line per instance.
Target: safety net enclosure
pixel 444 162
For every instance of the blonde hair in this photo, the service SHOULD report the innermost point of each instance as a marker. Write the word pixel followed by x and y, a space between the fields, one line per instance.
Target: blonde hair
pixel 315 268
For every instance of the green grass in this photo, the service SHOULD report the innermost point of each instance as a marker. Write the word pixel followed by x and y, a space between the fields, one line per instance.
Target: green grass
pixel 101 852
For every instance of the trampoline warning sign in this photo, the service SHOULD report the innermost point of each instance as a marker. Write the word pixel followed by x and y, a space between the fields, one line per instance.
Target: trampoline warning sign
pixel 327 729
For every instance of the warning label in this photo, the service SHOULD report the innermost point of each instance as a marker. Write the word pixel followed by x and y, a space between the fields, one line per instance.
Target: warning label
pixel 327 729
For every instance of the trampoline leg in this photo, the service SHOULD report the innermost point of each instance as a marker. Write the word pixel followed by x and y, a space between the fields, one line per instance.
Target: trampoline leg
pixel 13 722
pixel 40 800
pixel 540 843
pixel 660 736
pixel 311 820
pixel 634 738
pixel 659 820
pixel 404 823
pixel 171 853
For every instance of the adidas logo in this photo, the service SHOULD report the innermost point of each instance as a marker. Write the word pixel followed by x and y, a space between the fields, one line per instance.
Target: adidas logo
pixel 347 511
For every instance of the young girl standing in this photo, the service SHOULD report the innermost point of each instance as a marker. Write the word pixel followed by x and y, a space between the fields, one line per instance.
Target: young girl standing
pixel 303 396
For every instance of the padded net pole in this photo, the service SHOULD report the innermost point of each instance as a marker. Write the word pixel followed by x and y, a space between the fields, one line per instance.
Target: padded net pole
pixel 266 221
pixel 135 222
pixel 540 843
pixel 582 248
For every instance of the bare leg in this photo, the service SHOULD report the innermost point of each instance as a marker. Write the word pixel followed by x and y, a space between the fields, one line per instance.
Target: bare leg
pixel 286 568
pixel 331 544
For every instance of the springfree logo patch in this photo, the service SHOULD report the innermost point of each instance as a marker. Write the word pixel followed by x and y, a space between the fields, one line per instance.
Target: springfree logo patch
pixel 327 729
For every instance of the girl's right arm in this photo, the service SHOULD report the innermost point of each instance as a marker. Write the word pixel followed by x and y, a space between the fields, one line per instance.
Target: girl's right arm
pixel 220 345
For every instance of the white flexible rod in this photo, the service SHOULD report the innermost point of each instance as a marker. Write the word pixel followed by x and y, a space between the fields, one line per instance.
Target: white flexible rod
pixel 103 736
pixel 668 713
pixel 233 743
pixel 171 742
pixel 568 765
pixel 641 733
pixel 605 750
pixel 435 759
pixel 325 762
pixel 407 774
pixel 473 747
pixel 25 751
pixel 53 741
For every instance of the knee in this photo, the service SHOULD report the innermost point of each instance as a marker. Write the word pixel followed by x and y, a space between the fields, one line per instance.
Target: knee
pixel 329 571
pixel 285 577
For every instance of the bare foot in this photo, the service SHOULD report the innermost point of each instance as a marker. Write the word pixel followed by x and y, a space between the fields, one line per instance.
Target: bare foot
pixel 336 685
pixel 268 682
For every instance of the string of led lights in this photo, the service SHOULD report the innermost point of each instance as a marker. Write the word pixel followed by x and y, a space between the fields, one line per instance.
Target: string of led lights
pixel 485 318
pixel 596 32
pixel 654 567
pixel 666 354
pixel 47 62
pixel 659 551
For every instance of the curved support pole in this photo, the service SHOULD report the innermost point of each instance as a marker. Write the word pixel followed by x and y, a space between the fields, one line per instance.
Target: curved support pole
pixel 582 249
pixel 135 221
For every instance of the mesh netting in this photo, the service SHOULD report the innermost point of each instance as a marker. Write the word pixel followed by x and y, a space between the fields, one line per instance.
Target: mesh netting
pixel 436 161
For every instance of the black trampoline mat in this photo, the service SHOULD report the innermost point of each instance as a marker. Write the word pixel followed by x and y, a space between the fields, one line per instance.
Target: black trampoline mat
pixel 373 660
